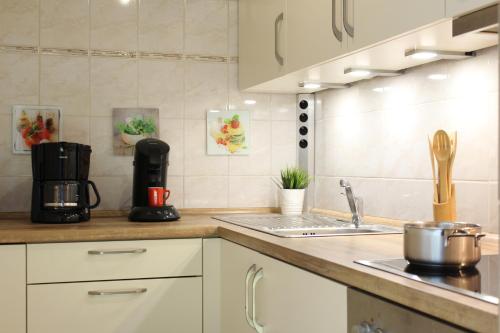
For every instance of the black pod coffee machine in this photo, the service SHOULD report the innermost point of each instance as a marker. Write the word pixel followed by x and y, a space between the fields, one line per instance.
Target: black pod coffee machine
pixel 60 183
pixel 150 178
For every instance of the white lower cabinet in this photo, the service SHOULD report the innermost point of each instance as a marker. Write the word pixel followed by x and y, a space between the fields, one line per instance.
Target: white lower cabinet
pixel 130 306
pixel 261 294
pixel 13 288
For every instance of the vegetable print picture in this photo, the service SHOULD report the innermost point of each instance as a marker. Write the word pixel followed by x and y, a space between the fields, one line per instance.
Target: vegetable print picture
pixel 32 125
pixel 130 125
pixel 228 132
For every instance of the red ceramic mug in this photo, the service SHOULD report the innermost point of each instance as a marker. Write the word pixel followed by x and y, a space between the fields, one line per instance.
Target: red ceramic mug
pixel 158 196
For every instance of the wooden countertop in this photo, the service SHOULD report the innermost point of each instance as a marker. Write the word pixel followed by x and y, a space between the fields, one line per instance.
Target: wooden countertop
pixel 330 257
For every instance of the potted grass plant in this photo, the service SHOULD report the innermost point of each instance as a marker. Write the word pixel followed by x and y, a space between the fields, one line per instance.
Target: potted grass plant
pixel 294 181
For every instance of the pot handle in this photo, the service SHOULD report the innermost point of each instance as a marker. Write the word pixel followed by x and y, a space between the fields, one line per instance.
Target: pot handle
pixel 460 233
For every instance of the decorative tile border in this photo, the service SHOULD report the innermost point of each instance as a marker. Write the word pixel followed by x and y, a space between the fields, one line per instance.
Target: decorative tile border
pixel 118 54
pixel 20 49
pixel 52 51
pixel 115 54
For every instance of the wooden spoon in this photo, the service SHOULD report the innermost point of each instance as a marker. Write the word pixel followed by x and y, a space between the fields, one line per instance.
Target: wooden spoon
pixel 442 150
pixel 434 185
pixel 453 141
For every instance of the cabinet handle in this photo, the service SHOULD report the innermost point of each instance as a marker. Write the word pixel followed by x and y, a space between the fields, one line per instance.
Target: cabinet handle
pixel 336 31
pixel 277 54
pixel 250 274
pixel 122 251
pixel 259 275
pixel 348 28
pixel 117 292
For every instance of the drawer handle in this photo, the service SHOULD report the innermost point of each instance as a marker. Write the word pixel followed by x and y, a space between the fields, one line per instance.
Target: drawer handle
pixel 117 292
pixel 123 251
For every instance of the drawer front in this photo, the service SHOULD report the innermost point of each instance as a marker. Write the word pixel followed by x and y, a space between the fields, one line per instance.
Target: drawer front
pixel 88 261
pixel 133 306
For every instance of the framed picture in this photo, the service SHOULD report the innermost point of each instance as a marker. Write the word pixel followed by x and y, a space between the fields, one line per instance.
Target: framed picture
pixel 131 125
pixel 33 124
pixel 228 132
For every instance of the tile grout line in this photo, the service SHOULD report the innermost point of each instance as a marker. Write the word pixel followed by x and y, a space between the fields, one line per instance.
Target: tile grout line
pixel 184 67
pixel 38 52
pixel 228 82
pixel 89 60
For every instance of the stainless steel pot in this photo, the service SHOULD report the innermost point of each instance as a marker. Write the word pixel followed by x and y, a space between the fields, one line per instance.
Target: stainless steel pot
pixel 442 244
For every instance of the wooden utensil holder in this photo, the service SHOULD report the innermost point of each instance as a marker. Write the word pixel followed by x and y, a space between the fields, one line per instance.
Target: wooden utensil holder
pixel 446 211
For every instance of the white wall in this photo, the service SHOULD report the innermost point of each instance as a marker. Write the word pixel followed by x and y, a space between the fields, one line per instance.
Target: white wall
pixel 378 140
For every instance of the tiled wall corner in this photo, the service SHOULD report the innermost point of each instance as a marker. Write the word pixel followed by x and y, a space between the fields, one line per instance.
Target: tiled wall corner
pixel 378 140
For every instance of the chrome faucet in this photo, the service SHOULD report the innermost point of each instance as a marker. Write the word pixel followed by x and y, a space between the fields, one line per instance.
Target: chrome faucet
pixel 355 204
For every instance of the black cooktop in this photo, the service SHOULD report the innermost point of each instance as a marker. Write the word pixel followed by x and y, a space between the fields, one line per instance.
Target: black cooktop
pixel 480 282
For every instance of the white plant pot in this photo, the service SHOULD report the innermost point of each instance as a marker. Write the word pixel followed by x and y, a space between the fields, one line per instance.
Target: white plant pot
pixel 292 201
pixel 130 139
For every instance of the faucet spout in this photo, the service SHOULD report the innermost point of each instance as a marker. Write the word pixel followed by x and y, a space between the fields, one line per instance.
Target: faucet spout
pixel 352 200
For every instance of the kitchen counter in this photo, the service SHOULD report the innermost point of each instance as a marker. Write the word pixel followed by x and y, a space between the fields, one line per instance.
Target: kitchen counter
pixel 331 257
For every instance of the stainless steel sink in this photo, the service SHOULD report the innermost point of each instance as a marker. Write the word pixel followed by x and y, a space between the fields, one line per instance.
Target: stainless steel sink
pixel 307 225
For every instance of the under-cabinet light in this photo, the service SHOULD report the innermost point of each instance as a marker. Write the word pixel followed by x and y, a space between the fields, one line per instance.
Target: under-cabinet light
pixel 426 54
pixel 323 85
pixel 437 77
pixel 369 72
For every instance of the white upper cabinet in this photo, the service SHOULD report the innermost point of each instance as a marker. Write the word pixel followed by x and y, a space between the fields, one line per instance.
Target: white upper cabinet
pixel 459 7
pixel 372 21
pixel 315 32
pixel 262 41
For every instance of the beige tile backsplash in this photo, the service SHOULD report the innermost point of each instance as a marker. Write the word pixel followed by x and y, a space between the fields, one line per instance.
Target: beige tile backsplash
pixel 64 23
pixel 379 140
pixel 376 140
pixel 87 87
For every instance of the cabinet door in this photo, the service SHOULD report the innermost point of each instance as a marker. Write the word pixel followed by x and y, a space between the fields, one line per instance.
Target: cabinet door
pixel 235 288
pixel 13 288
pixel 292 300
pixel 378 20
pixel 287 299
pixel 262 41
pixel 314 32
pixel 459 7
pixel 132 306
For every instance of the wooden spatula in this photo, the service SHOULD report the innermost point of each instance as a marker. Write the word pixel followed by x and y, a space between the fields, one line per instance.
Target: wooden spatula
pixel 453 141
pixel 442 150
pixel 434 184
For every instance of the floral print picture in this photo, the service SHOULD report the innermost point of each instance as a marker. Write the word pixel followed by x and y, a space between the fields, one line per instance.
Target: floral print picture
pixel 130 125
pixel 33 125
pixel 228 132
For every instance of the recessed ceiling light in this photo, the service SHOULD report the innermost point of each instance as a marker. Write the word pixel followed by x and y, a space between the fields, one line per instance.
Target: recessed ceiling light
pixel 125 2
pixel 437 77
pixel 250 101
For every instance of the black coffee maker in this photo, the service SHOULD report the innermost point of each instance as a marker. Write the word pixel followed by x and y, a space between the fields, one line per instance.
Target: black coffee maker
pixel 60 183
pixel 150 171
